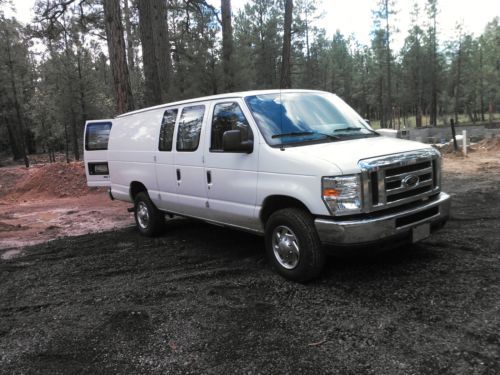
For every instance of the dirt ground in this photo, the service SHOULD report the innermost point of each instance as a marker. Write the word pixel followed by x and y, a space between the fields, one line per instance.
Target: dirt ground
pixel 202 299
pixel 49 201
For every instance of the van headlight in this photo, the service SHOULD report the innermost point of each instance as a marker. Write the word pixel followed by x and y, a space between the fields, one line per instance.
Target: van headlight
pixel 342 194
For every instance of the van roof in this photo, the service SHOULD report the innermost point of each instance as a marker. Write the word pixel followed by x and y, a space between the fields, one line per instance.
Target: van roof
pixel 241 94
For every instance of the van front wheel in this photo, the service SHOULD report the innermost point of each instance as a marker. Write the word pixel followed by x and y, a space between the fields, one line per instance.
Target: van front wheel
pixel 148 219
pixel 293 246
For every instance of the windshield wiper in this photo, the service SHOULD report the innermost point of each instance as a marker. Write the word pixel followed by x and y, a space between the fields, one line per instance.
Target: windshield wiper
pixel 329 136
pixel 292 134
pixel 300 134
pixel 346 129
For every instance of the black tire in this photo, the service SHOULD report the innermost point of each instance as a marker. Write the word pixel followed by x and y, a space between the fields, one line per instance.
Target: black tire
pixel 308 259
pixel 150 221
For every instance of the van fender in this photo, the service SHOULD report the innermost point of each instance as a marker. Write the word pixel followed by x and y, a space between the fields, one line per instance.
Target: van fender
pixel 275 189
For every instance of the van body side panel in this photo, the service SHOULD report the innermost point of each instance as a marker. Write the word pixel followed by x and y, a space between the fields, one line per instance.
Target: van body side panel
pixel 95 151
pixel 232 192
pixel 131 153
pixel 129 166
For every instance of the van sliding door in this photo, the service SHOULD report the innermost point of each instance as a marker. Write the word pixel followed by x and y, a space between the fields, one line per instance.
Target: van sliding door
pixel 95 152
pixel 189 170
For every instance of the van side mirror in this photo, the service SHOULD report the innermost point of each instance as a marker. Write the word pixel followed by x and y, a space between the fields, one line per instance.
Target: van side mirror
pixel 231 142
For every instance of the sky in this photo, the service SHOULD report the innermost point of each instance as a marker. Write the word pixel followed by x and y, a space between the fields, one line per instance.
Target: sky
pixel 356 17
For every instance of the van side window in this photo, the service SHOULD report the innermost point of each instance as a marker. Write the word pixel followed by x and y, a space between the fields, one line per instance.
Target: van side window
pixel 188 133
pixel 228 116
pixel 167 129
pixel 97 136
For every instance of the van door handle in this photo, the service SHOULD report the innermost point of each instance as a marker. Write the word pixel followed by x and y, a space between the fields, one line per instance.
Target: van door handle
pixel 178 171
pixel 209 177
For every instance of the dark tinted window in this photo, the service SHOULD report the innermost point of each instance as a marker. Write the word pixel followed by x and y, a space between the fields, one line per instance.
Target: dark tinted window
pixel 228 116
pixel 188 133
pixel 167 129
pixel 97 136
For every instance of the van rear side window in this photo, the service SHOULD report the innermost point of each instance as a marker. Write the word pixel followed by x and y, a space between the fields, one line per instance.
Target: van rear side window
pixel 189 129
pixel 167 129
pixel 97 136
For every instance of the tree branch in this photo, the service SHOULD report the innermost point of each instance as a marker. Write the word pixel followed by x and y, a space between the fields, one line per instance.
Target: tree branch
pixel 197 5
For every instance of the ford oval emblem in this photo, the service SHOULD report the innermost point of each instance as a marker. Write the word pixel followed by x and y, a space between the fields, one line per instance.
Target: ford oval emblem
pixel 411 180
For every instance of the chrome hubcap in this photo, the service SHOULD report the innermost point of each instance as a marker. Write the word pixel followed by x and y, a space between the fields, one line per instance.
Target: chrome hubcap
pixel 142 215
pixel 286 247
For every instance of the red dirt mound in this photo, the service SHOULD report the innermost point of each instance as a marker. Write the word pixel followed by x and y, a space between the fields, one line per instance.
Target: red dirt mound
pixel 10 177
pixel 47 201
pixel 489 144
pixel 55 180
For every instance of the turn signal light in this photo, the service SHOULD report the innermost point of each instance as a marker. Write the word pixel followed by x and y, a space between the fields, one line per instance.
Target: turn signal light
pixel 331 193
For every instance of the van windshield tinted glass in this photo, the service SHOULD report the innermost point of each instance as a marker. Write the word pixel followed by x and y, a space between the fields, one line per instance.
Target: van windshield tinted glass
pixel 306 117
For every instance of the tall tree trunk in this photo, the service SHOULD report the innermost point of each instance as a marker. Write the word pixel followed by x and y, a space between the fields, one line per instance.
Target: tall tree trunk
pixel 66 141
pixel 213 75
pixel 153 28
pixel 14 143
pixel 227 45
pixel 69 73
pixel 388 105
pixel 434 73
pixel 481 78
pixel 128 32
pixel 470 114
pixel 308 72
pixel 263 79
pixel 20 133
pixel 286 74
pixel 458 79
pixel 162 47
pixel 420 93
pixel 418 116
pixel 152 81
pixel 365 74
pixel 117 56
pixel 83 105
pixel 383 122
pixel 333 81
pixel 74 134
pixel 490 113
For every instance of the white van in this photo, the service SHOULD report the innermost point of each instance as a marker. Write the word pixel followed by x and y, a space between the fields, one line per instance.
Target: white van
pixel 299 167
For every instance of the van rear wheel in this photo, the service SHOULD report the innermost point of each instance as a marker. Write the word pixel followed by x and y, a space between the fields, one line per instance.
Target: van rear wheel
pixel 293 246
pixel 149 220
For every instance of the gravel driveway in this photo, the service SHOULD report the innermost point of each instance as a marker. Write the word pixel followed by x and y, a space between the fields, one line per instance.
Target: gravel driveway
pixel 202 299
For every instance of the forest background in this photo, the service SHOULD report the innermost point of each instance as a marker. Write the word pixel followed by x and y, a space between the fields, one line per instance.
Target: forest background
pixel 89 59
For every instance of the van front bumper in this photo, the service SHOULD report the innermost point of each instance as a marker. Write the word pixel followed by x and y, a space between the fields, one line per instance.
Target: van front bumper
pixel 378 228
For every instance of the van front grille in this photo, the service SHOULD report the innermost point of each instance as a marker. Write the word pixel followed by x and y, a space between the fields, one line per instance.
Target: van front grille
pixel 407 169
pixel 399 179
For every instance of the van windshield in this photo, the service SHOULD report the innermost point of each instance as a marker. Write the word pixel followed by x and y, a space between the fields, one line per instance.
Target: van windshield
pixel 306 117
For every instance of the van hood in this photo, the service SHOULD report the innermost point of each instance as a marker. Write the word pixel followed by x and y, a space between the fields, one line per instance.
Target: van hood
pixel 345 155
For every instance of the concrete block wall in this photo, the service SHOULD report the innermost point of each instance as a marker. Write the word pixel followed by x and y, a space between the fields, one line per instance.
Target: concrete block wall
pixel 438 135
